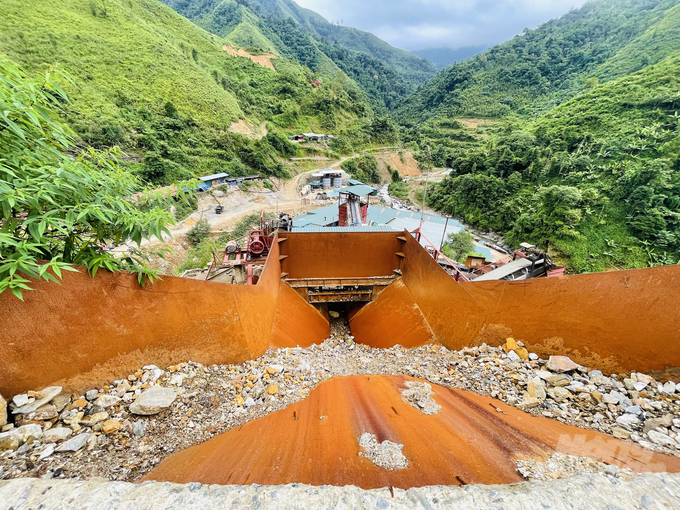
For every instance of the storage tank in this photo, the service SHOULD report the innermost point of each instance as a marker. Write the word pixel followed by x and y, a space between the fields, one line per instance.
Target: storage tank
pixel 326 181
pixel 337 182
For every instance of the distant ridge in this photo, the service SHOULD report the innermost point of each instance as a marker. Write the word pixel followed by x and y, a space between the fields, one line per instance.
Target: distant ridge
pixel 442 58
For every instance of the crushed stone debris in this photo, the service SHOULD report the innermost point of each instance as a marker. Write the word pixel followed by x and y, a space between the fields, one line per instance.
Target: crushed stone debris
pixel 119 445
pixel 419 395
pixel 385 455
pixel 564 466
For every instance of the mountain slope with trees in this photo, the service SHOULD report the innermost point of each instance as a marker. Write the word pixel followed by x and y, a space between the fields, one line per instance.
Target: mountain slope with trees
pixel 166 91
pixel 544 67
pixel 386 74
pixel 596 180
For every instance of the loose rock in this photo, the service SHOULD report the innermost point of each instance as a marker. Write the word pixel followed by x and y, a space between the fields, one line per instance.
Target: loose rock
pixel 43 398
pixel 561 364
pixel 386 455
pixel 75 444
pixel 152 401
pixel 3 411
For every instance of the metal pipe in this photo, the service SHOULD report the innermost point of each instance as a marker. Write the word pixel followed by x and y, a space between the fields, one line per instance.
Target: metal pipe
pixel 444 234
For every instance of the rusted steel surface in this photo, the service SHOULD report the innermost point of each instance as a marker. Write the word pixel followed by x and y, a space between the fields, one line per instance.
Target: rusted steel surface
pixel 316 442
pixel 393 318
pixel 615 321
pixel 340 255
pixel 91 330
pixel 296 321
pixel 341 296
pixel 452 313
pixel 340 282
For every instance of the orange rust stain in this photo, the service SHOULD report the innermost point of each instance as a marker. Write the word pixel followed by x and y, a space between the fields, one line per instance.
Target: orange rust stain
pixel 617 321
pixel 341 255
pixel 89 331
pixel 392 318
pixel 468 440
pixel 297 323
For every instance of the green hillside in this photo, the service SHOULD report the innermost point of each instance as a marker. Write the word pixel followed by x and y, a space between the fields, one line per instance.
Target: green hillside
pixel 596 180
pixel 544 67
pixel 166 91
pixel 386 74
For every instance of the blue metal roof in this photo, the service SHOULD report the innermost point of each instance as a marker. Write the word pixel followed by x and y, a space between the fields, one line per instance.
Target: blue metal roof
pixel 354 182
pixel 318 217
pixel 360 190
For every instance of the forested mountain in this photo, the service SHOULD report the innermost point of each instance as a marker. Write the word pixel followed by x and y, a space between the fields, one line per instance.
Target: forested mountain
pixel 385 73
pixel 544 67
pixel 168 92
pixel 442 58
pixel 581 149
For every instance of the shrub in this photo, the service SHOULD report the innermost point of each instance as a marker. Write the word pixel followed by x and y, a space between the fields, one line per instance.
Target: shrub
pixel 199 232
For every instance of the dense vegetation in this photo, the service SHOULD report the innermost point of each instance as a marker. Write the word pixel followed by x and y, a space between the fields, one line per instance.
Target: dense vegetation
pixel 595 179
pixel 166 92
pixel 60 205
pixel 541 68
pixel 385 74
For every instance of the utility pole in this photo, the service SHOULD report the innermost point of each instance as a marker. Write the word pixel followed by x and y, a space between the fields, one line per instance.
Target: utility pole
pixel 427 178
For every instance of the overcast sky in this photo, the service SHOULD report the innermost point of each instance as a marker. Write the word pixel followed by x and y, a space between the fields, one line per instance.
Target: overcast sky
pixel 418 24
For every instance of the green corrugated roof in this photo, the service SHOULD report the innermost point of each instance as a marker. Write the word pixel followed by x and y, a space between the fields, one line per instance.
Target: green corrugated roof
pixel 373 228
pixel 360 190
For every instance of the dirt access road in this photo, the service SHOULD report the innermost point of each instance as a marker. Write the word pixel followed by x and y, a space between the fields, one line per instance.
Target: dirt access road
pixel 238 204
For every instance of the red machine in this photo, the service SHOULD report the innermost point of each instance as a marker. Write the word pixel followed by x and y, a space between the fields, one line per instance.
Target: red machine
pixel 254 250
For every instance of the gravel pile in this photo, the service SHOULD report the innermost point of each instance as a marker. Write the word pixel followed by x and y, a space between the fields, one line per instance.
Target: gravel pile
pixel 419 395
pixel 564 466
pixel 386 455
pixel 122 430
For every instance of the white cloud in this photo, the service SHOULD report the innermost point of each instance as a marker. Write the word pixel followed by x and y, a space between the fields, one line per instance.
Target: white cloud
pixel 415 24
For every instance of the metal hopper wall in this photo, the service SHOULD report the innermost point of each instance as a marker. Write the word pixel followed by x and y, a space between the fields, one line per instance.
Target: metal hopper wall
pixel 91 330
pixel 623 320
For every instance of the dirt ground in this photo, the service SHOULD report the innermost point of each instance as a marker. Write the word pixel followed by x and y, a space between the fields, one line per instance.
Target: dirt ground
pixel 406 168
pixel 249 130
pixel 237 204
pixel 263 60
pixel 472 123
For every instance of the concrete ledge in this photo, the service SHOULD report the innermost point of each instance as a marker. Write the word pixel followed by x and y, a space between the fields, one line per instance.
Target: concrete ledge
pixel 659 491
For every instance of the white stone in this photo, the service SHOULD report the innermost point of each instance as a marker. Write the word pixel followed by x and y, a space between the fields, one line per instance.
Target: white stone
pixel 57 434
pixel 661 439
pixel 668 388
pixel 49 393
pixel 513 356
pixel 21 400
pixel 640 385
pixel 627 420
pixel 106 401
pixel 76 443
pixel 152 401
pixel 176 380
pixel 29 433
pixel 46 452
pixel 543 374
